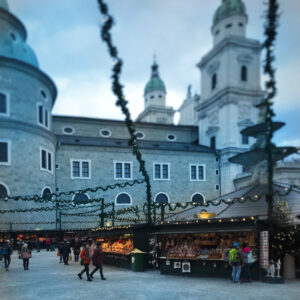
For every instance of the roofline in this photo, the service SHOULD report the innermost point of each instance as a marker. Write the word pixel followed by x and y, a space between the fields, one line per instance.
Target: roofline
pixel 146 124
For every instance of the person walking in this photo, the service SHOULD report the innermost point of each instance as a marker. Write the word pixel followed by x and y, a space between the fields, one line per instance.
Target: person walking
pixel 248 259
pixel 85 260
pixel 48 243
pixel 235 260
pixel 25 255
pixel 60 250
pixel 97 259
pixel 66 251
pixel 6 253
pixel 76 249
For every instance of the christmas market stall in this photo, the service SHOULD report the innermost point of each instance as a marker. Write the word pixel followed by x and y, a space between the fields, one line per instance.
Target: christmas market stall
pixel 118 242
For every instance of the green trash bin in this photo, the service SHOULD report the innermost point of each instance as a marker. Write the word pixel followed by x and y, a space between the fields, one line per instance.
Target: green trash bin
pixel 137 260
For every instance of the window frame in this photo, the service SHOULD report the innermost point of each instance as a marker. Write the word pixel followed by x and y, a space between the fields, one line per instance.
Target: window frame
pixel 8 142
pixel 105 129
pixel 7 188
pixel 45 112
pixel 82 204
pixel 161 193
pixel 47 160
pixel 7 99
pixel 117 204
pixel 197 172
pixel 214 81
pixel 161 171
pixel 199 194
pixel 80 168
pixel 244 73
pixel 242 140
pixel 123 170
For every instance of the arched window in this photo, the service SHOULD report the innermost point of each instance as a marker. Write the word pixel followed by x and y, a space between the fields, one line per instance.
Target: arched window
pixel 80 198
pixel 198 198
pixel 161 198
pixel 123 199
pixel 3 190
pixel 244 73
pixel 46 193
pixel 214 81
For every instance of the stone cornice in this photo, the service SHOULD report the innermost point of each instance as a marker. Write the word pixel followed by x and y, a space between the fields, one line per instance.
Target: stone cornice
pixel 32 71
pixel 229 41
pixel 223 92
pixel 107 122
pixel 155 108
pixel 23 126
pixel 123 143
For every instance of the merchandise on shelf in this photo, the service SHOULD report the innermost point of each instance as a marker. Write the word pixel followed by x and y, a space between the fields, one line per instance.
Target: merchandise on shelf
pixel 121 246
pixel 212 245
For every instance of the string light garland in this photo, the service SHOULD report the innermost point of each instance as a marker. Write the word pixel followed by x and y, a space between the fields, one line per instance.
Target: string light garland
pixel 117 89
pixel 49 197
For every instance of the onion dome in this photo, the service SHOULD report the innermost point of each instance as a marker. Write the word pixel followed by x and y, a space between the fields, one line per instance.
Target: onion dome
pixel 155 83
pixel 229 8
pixel 13 38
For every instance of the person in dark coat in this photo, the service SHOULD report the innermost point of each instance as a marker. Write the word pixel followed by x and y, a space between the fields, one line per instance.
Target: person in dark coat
pixel 76 249
pixel 98 258
pixel 66 250
pixel 60 250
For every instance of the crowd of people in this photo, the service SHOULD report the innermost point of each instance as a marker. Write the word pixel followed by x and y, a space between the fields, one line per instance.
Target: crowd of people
pixel 91 253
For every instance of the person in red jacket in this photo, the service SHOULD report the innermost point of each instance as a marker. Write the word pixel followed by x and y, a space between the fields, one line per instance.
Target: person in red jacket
pixel 98 258
pixel 85 258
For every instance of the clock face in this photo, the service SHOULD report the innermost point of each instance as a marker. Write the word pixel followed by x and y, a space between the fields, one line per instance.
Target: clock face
pixel 213 118
pixel 244 111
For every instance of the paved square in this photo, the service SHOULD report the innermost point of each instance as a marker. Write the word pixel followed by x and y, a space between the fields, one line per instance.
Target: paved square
pixel 48 279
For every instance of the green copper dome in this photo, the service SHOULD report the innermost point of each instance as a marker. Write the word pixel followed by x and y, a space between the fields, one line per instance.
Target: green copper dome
pixel 229 8
pixel 155 83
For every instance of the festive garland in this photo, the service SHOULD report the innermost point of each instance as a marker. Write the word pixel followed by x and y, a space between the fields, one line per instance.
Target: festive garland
pixel 48 197
pixel 117 89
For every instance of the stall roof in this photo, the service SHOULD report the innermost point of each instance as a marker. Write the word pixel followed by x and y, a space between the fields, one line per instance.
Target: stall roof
pixel 246 209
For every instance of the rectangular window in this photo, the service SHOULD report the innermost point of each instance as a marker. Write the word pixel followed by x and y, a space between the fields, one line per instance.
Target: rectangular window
pixel 43 116
pixel 85 169
pixel 161 171
pixel 197 172
pixel 123 170
pixel 217 187
pixel 3 152
pixel 46 160
pixel 213 142
pixel 217 172
pixel 46 117
pixel 245 139
pixel 80 169
pixel 3 104
pixel 41 120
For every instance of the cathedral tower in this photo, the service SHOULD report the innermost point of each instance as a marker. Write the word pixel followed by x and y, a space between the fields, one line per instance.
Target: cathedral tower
pixel 155 109
pixel 230 88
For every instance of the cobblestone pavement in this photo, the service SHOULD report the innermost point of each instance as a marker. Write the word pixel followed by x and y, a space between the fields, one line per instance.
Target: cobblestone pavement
pixel 48 279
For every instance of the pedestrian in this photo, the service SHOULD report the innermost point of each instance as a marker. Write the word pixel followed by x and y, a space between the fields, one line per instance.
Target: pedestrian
pixel 235 260
pixel 85 260
pixel 92 248
pixel 48 243
pixel 37 244
pixel 66 251
pixel 98 258
pixel 25 255
pixel 76 249
pixel 248 259
pixel 6 253
pixel 60 250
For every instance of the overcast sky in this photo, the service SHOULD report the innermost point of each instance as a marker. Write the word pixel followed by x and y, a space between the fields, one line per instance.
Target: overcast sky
pixel 66 40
